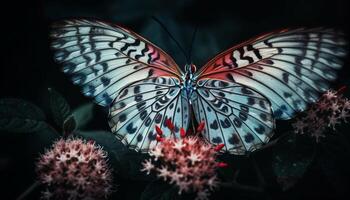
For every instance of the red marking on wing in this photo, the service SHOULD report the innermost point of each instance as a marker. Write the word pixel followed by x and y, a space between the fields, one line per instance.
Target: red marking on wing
pixel 162 60
pixel 224 58
pixel 158 57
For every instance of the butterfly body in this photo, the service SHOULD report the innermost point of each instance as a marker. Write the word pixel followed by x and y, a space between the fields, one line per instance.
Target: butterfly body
pixel 188 84
pixel 238 94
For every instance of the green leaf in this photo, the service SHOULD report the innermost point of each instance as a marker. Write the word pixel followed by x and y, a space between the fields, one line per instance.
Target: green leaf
pixel 159 190
pixel 291 158
pixel 17 115
pixel 83 114
pixel 126 162
pixel 59 107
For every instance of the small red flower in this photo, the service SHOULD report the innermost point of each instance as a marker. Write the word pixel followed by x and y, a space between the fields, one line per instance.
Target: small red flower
pixel 222 165
pixel 188 162
pixel 219 147
pixel 341 90
pixel 169 124
pixel 74 169
pixel 182 133
pixel 159 138
pixel 159 131
pixel 329 111
pixel 200 127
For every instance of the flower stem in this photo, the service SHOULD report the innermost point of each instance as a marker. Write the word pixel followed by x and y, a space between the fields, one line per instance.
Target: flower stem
pixel 29 190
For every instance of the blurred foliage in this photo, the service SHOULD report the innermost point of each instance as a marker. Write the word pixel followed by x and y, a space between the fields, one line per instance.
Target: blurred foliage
pixel 18 115
pixel 60 108
pixel 333 152
pixel 83 115
pixel 159 190
pixel 291 158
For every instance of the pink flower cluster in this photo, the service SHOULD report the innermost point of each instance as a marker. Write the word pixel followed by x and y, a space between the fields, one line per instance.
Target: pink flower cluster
pixel 329 111
pixel 74 169
pixel 188 162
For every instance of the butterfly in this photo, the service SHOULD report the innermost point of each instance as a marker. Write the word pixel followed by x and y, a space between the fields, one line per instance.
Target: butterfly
pixel 238 94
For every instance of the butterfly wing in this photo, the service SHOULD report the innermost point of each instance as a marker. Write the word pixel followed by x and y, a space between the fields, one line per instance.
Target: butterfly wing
pixel 122 70
pixel 275 75
pixel 234 115
pixel 104 58
pixel 289 67
pixel 145 104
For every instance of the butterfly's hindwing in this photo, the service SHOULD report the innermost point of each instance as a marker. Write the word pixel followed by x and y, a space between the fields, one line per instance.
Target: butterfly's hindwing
pixel 234 115
pixel 289 67
pixel 142 105
pixel 104 58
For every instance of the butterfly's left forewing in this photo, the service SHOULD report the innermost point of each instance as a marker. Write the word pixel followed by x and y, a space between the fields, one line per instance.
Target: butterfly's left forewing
pixel 120 69
pixel 234 115
pixel 103 58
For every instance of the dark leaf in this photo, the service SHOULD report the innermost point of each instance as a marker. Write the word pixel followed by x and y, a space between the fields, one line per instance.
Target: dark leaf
pixel 83 114
pixel 131 164
pixel 126 162
pixel 18 115
pixel 43 139
pixel 291 158
pixel 59 107
pixel 105 139
pixel 159 190
pixel 69 125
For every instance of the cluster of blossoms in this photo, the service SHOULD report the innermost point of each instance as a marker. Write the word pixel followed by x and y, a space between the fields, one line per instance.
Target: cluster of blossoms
pixel 188 162
pixel 329 111
pixel 75 169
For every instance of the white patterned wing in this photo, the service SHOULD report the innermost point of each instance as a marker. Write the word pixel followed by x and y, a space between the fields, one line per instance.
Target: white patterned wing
pixel 234 115
pixel 103 58
pixel 289 67
pixel 144 104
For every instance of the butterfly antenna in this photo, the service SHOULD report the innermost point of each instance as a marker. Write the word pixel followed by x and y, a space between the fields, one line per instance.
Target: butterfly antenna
pixel 192 42
pixel 172 37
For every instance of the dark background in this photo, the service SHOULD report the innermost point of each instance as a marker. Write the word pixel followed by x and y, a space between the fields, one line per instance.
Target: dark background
pixel 27 67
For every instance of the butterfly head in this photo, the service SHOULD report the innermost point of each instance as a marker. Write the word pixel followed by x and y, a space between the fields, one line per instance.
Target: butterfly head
pixel 190 68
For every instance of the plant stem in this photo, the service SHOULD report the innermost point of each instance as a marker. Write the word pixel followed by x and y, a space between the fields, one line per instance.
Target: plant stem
pixel 29 190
